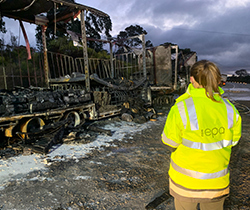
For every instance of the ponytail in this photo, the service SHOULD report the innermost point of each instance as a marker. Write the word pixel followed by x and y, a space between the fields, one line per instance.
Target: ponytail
pixel 208 75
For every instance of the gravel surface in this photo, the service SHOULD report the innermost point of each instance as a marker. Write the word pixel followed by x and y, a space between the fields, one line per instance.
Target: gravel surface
pixel 126 173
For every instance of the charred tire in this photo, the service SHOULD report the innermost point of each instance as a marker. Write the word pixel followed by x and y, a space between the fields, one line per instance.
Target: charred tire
pixel 74 119
pixel 30 125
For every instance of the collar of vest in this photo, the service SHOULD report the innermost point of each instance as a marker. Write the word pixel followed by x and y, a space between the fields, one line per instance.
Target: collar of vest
pixel 196 92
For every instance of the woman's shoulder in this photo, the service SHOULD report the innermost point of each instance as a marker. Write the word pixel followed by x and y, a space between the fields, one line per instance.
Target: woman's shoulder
pixel 182 97
pixel 186 95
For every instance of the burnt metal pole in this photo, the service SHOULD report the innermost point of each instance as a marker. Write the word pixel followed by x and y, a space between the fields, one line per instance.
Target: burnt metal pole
pixel 85 52
pixel 20 70
pixel 4 77
pixel 34 66
pixel 55 18
pixel 176 65
pixel 111 59
pixel 46 65
pixel 144 56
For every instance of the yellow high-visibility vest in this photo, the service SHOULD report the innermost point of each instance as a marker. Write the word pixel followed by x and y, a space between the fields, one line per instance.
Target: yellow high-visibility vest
pixel 203 133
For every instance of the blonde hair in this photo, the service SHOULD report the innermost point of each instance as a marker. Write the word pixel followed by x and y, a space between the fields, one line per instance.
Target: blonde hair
pixel 208 75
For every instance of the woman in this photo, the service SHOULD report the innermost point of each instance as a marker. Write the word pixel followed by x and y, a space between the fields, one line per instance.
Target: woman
pixel 200 130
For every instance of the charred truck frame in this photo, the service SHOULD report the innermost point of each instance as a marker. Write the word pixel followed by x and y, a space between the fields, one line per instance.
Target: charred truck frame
pixel 73 90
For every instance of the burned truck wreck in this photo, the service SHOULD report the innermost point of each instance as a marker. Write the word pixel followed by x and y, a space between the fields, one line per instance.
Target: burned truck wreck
pixel 55 92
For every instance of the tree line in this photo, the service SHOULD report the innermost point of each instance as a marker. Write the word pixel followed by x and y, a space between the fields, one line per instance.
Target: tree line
pixel 240 76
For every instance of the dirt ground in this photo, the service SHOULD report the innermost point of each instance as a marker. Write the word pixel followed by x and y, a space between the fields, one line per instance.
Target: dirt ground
pixel 129 174
pixel 240 165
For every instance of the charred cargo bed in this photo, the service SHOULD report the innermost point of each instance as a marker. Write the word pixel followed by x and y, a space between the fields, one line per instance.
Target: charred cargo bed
pixel 30 113
pixel 31 100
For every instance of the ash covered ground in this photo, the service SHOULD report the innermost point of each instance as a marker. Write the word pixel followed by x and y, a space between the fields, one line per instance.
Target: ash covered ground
pixel 125 171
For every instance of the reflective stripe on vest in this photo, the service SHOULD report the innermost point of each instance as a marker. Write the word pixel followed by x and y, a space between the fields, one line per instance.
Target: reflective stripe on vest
pixel 199 175
pixel 182 112
pixel 192 114
pixel 208 146
pixel 201 194
pixel 230 114
pixel 169 141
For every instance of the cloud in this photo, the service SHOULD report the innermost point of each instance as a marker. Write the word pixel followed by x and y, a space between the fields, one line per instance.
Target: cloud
pixel 216 30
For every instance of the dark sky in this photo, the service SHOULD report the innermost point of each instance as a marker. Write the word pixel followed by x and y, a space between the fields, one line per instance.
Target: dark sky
pixel 218 30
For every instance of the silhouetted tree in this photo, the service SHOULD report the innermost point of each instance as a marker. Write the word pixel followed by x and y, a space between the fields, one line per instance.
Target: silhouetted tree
pixel 241 72
pixel 131 31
